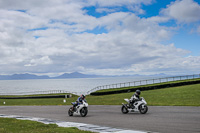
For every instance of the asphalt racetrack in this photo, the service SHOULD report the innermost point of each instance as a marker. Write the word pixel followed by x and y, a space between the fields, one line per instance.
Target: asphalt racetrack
pixel 163 119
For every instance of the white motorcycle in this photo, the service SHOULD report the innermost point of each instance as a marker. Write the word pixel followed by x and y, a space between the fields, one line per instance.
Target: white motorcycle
pixel 138 106
pixel 81 109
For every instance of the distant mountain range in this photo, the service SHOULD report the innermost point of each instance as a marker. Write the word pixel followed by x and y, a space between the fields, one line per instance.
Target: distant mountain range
pixel 22 76
pixel 63 76
pixel 32 76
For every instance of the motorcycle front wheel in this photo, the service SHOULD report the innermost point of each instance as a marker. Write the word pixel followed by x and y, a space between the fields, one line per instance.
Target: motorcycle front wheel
pixel 144 109
pixel 70 111
pixel 83 112
pixel 124 109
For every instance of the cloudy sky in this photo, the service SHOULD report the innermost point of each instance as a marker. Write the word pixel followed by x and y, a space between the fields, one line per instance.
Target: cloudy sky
pixel 105 37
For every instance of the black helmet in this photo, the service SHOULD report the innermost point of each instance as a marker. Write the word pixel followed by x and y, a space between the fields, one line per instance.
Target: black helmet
pixel 138 92
pixel 83 96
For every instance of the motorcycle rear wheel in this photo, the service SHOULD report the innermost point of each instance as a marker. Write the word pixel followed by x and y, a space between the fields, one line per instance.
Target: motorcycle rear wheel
pixel 124 109
pixel 70 111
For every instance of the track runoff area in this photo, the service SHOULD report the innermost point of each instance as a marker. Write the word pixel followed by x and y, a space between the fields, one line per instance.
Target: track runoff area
pixel 105 118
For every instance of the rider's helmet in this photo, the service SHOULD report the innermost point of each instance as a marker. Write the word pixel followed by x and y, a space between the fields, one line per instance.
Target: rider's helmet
pixel 137 92
pixel 83 96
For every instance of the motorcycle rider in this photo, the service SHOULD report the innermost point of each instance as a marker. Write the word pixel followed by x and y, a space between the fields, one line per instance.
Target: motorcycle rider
pixel 79 101
pixel 134 98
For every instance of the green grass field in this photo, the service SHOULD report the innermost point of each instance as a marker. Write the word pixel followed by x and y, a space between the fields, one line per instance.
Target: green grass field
pixel 11 125
pixel 188 95
pixel 176 96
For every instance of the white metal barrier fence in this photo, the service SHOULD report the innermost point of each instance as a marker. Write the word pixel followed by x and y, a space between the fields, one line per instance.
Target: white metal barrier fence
pixel 144 82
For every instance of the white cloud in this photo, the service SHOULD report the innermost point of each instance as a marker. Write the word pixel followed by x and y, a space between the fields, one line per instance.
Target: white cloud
pixel 112 3
pixel 198 29
pixel 52 37
pixel 40 61
pixel 185 11
pixel 159 19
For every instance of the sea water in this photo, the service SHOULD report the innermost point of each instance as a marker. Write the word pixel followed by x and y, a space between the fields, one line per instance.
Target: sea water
pixel 76 85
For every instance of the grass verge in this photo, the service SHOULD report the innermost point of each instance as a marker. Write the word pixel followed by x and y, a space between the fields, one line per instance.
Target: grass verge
pixel 11 125
pixel 188 95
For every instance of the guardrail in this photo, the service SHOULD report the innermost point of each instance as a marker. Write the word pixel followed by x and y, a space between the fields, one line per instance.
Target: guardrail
pixel 144 82
pixel 39 92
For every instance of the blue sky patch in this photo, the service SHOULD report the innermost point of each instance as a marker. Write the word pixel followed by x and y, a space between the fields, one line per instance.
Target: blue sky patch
pixel 42 28
pixel 97 30
pixel 21 11
pixel 154 8
pixel 91 11
pixel 53 21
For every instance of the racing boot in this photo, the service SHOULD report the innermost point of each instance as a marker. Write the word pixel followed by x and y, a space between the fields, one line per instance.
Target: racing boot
pixel 132 106
pixel 74 109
